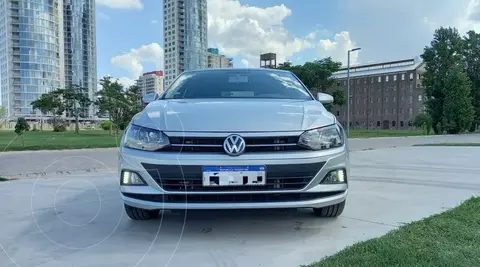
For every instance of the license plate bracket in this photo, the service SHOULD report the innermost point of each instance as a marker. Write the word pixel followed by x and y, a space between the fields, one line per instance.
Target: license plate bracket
pixel 250 175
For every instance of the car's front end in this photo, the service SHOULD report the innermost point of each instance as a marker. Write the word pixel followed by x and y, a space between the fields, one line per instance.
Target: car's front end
pixel 294 157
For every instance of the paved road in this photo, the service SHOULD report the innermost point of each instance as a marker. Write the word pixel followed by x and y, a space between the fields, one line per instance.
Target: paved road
pixel 35 164
pixel 78 220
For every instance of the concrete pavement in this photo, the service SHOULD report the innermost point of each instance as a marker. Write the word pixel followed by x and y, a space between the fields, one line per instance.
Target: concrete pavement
pixel 78 220
pixel 33 164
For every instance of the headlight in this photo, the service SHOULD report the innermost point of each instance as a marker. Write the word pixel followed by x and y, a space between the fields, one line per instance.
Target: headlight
pixel 322 138
pixel 142 138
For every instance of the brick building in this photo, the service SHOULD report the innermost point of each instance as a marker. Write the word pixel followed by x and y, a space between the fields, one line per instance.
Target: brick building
pixel 385 95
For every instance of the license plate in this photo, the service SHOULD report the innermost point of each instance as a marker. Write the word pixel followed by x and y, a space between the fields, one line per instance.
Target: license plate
pixel 234 175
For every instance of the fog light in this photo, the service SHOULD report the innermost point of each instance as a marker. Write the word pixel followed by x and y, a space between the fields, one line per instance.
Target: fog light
pixel 334 177
pixel 131 178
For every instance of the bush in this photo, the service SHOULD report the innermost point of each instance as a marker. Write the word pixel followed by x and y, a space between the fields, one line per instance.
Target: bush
pixel 423 121
pixel 106 125
pixel 21 126
pixel 60 126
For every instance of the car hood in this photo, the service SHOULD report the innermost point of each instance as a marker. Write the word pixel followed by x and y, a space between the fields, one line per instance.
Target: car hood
pixel 233 115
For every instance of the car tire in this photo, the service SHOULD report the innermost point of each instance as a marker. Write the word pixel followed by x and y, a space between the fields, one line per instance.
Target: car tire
pixel 330 211
pixel 138 214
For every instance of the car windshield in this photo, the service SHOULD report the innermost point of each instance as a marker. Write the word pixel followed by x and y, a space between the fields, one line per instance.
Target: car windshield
pixel 237 84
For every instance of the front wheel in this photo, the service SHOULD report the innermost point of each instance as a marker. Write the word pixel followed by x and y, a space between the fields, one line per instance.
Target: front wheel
pixel 138 214
pixel 330 211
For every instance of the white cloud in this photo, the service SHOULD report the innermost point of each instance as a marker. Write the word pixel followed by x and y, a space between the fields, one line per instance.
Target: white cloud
pixel 311 36
pixel 338 48
pixel 154 21
pixel 248 31
pixel 245 63
pixel 135 4
pixel 127 82
pixel 132 61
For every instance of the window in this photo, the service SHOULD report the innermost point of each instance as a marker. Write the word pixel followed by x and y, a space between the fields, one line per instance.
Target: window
pixel 403 77
pixel 378 123
pixel 394 111
pixel 379 79
pixel 401 110
pixel 410 99
pixel 394 123
pixel 358 81
pixel 378 99
pixel 385 111
pixel 402 124
pixel 338 113
pixel 394 99
pixel 420 97
pixel 386 78
pixel 395 77
pixel 386 99
pixel 410 111
pixel 411 77
pixel 237 84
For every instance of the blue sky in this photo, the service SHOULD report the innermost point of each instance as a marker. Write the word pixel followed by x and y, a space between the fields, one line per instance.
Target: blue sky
pixel 129 32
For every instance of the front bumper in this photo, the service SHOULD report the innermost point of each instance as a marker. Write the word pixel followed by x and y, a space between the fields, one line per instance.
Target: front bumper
pixel 312 195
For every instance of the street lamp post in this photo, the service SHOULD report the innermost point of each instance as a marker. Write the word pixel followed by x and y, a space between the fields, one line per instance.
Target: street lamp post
pixel 348 88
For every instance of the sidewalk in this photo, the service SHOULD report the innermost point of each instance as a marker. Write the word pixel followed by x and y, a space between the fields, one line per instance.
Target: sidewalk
pixel 33 164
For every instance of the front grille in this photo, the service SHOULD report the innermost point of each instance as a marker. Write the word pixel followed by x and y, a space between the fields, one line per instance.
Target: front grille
pixel 232 198
pixel 215 144
pixel 188 178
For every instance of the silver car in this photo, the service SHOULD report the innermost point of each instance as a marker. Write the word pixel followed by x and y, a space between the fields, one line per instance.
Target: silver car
pixel 234 139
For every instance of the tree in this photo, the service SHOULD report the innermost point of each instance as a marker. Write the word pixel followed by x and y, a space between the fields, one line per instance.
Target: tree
pixel 423 121
pixel 76 102
pixel 444 52
pixel 458 111
pixel 471 52
pixel 317 77
pixel 49 103
pixel 21 127
pixel 120 105
pixel 45 104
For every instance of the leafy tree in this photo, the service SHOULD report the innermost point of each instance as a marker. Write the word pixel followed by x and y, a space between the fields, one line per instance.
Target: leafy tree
pixel 120 105
pixel 444 51
pixel 423 121
pixel 45 103
pixel 458 111
pixel 317 77
pixel 471 52
pixel 21 127
pixel 76 102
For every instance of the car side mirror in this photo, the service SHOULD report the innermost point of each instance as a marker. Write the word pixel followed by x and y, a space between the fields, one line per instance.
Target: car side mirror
pixel 324 98
pixel 150 97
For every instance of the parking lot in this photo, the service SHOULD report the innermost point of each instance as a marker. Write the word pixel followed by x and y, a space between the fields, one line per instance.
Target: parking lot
pixel 77 219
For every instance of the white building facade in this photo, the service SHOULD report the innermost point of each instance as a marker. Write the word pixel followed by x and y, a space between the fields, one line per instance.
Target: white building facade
pixel 151 82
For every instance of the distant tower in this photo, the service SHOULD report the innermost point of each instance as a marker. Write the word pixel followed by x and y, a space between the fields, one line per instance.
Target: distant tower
pixel 185 36
pixel 268 60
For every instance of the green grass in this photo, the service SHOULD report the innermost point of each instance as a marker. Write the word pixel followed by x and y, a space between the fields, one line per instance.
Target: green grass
pixel 450 144
pixel 48 140
pixel 448 239
pixel 383 133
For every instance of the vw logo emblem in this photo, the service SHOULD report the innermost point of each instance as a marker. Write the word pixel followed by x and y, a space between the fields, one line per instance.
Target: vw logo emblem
pixel 234 145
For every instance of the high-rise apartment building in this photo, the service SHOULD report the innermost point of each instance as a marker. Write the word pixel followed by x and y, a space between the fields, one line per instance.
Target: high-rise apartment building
pixel 185 36
pixel 151 82
pixel 216 60
pixel 80 47
pixel 386 95
pixel 45 45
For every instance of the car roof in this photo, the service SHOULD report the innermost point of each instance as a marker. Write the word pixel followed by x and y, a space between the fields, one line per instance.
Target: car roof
pixel 235 69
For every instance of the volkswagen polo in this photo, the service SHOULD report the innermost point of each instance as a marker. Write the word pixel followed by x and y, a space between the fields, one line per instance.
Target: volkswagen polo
pixel 234 139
